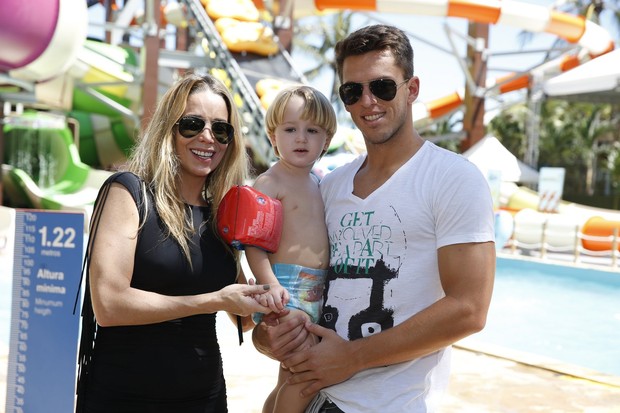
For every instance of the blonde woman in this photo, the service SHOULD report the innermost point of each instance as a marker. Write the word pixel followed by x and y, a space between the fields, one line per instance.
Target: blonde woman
pixel 157 271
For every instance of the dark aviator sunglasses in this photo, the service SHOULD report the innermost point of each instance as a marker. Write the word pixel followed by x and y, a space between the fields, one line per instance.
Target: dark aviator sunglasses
pixel 384 89
pixel 190 126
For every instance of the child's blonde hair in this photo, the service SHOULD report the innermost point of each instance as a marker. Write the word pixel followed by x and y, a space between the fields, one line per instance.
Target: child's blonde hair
pixel 318 110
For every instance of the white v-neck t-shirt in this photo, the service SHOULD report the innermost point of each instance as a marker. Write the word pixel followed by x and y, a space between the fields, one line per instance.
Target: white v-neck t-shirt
pixel 384 267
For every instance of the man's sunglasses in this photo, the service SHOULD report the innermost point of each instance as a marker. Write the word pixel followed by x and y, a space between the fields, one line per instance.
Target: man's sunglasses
pixel 190 126
pixel 384 89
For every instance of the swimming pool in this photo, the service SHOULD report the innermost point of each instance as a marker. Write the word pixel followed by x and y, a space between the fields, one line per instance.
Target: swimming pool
pixel 571 314
pixel 567 313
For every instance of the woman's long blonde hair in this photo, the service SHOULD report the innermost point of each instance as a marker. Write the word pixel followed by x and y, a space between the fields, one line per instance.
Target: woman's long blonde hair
pixel 154 158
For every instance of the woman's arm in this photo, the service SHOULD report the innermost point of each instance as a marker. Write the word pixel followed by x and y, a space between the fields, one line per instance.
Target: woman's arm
pixel 116 303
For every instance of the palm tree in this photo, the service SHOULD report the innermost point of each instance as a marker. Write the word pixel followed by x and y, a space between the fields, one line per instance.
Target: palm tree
pixel 509 127
pixel 582 137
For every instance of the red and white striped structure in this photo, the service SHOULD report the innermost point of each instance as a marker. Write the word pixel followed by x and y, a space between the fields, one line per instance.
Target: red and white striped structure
pixel 593 39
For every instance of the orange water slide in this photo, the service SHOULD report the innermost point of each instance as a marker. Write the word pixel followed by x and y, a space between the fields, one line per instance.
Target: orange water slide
pixel 527 16
pixel 593 39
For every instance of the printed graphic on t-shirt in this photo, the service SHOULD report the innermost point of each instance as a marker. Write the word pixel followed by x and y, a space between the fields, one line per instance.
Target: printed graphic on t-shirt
pixel 364 258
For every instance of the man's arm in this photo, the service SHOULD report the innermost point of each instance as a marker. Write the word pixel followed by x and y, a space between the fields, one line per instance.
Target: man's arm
pixel 467 273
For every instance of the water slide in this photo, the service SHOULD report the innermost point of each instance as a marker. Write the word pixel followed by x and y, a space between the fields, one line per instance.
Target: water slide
pixel 592 39
pixel 243 69
pixel 243 57
pixel 43 169
pixel 97 85
pixel 44 49
pixel 33 36
pixel 524 213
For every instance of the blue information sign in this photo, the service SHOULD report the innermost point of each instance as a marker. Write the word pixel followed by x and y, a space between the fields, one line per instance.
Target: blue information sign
pixel 44 330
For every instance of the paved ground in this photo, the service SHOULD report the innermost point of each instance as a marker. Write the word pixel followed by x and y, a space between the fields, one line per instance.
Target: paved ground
pixel 480 383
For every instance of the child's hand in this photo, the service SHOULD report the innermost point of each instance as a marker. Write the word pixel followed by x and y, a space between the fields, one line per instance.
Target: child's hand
pixel 276 298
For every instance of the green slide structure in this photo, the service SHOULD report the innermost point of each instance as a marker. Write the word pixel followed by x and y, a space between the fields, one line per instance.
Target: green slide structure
pixel 103 97
pixel 104 141
pixel 42 167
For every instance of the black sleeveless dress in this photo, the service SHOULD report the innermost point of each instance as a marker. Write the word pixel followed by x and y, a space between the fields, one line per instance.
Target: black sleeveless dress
pixel 175 366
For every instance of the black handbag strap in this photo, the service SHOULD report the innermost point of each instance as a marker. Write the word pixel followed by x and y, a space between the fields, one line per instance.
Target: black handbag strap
pixel 89 323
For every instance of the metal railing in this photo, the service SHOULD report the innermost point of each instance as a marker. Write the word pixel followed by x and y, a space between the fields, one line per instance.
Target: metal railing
pixel 218 56
pixel 570 251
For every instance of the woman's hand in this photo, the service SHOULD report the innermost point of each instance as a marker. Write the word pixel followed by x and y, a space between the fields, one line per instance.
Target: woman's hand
pixel 275 299
pixel 240 299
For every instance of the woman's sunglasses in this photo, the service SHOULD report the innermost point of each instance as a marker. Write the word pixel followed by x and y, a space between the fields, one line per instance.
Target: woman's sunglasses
pixel 384 89
pixel 190 126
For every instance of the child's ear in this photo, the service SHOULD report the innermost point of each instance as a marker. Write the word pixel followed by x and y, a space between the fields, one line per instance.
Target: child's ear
pixel 326 146
pixel 272 139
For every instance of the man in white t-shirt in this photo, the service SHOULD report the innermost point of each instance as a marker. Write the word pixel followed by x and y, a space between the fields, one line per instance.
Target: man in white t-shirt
pixel 412 254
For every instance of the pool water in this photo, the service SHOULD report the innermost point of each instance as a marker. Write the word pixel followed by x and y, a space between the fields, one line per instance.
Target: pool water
pixel 566 313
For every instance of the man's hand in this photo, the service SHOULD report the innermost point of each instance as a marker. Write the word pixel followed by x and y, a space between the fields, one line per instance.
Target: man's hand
pixel 331 361
pixel 276 339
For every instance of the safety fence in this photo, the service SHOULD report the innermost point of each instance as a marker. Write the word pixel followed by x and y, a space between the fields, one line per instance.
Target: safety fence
pixel 545 242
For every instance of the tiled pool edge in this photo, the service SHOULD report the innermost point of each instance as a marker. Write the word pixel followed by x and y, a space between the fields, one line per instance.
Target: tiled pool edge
pixel 564 260
pixel 537 361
